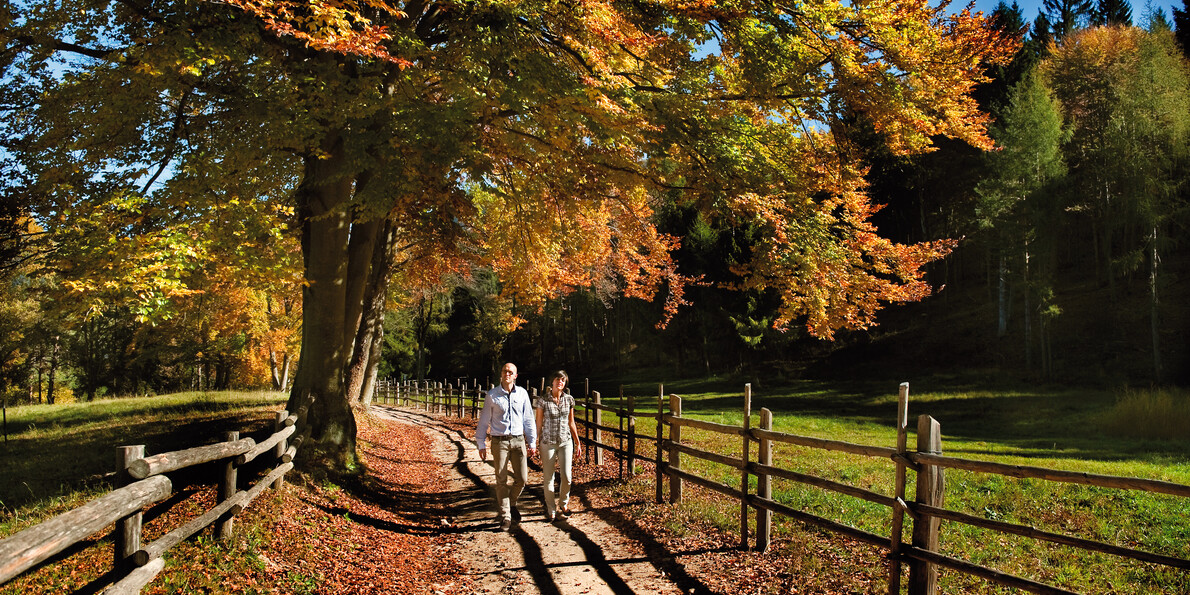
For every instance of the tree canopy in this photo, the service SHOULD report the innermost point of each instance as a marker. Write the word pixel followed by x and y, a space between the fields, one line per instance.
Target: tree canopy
pixel 537 139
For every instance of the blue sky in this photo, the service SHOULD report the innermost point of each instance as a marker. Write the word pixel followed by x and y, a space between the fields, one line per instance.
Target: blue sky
pixel 1030 8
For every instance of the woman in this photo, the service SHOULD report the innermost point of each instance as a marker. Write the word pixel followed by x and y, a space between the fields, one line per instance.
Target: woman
pixel 559 443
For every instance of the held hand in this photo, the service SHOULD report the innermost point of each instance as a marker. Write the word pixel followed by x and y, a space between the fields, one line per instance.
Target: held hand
pixel 483 455
pixel 532 452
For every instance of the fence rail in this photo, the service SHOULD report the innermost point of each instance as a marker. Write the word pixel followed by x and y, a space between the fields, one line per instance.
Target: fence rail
pixel 924 506
pixel 145 484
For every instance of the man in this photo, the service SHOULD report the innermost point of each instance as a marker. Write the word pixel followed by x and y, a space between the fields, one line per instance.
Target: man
pixel 507 417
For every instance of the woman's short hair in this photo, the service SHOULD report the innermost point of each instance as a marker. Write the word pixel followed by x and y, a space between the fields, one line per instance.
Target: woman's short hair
pixel 560 374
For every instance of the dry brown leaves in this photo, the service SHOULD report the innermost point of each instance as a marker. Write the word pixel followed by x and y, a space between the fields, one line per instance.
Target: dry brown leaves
pixel 374 534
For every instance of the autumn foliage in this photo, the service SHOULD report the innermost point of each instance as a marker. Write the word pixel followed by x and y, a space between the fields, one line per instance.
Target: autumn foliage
pixel 408 141
pixel 582 116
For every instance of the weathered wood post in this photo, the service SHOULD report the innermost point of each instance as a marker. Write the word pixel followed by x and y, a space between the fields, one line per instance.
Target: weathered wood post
pixel 620 435
pixel 931 485
pixel 630 462
pixel 675 457
pixel 764 485
pixel 631 458
pixel 282 446
pixel 587 428
pixel 597 427
pixel 128 529
pixel 657 466
pixel 227 488
pixel 898 520
pixel 744 456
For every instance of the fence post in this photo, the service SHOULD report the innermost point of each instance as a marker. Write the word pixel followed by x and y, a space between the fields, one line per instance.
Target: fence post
pixel 281 446
pixel 744 456
pixel 657 463
pixel 598 425
pixel 931 485
pixel 128 529
pixel 675 457
pixel 587 428
pixel 898 520
pixel 227 489
pixel 620 447
pixel 631 458
pixel 630 462
pixel 764 485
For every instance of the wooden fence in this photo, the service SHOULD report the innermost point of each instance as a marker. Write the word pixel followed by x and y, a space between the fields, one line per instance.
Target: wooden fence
pixel 141 482
pixel 925 507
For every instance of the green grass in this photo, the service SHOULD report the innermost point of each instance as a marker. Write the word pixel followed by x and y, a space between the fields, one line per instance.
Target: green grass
pixel 1060 428
pixel 54 452
pixel 59 457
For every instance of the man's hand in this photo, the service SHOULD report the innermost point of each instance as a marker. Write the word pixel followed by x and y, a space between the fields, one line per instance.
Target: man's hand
pixel 483 455
pixel 532 451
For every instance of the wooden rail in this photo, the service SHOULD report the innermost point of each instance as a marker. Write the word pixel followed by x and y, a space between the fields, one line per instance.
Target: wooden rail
pixel 921 554
pixel 146 483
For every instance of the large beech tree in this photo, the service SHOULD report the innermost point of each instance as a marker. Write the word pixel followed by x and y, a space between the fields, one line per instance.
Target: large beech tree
pixel 533 138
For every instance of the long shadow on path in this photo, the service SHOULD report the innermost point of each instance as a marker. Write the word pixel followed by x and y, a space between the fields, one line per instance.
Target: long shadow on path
pixel 583 554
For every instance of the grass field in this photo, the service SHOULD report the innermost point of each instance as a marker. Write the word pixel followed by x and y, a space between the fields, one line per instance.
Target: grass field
pixel 59 456
pixel 55 451
pixel 1127 433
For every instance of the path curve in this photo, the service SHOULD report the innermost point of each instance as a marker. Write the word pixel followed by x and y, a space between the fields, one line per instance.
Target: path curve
pixel 582 555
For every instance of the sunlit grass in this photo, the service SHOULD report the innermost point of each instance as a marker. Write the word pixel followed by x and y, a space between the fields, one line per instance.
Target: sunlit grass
pixel 1063 429
pixel 56 450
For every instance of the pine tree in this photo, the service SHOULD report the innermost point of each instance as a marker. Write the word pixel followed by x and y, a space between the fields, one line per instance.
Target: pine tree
pixel 1181 21
pixel 1113 13
pixel 1067 16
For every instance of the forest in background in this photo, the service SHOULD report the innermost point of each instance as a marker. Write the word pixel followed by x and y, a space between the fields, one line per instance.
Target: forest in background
pixel 1069 265
pixel 1072 265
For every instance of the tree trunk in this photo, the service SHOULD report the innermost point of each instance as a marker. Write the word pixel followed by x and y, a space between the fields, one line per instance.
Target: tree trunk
pixel 1154 320
pixel 366 354
pixel 322 200
pixel 1002 298
pixel 286 364
pixel 49 393
pixel 360 249
pixel 1028 314
pixel 274 370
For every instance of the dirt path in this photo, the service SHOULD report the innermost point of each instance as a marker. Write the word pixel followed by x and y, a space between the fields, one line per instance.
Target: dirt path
pixel 578 556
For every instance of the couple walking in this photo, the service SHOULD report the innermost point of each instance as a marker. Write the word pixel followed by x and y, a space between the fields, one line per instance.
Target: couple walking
pixel 513 425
